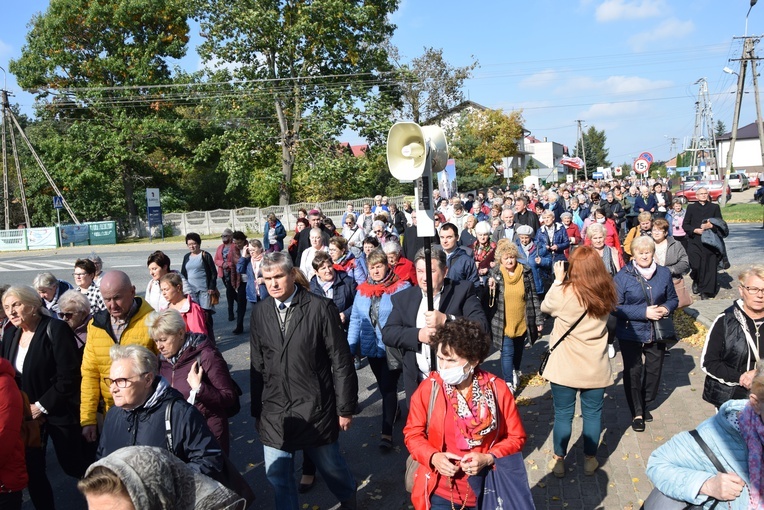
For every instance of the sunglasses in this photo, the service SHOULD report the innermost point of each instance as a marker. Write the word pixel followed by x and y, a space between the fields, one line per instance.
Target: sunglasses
pixel 66 315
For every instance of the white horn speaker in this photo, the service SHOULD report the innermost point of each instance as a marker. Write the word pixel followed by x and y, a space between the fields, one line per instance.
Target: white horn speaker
pixel 407 146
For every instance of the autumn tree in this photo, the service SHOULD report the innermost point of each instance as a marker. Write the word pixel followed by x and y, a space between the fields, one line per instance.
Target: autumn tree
pixel 313 59
pixel 94 66
pixel 594 149
pixel 480 141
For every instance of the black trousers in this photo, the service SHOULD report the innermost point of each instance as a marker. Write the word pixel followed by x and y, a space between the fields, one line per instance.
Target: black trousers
pixel 642 367
pixel 11 500
pixel 703 265
pixel 241 305
pixel 230 294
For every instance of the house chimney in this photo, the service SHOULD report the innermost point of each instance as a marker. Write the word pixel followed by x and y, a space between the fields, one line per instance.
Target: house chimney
pixel 545 139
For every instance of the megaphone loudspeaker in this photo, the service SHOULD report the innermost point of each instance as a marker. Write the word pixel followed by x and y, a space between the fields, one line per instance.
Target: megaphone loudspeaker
pixel 407 146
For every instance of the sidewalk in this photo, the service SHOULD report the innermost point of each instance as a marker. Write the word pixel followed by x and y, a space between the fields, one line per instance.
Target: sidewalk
pixel 621 481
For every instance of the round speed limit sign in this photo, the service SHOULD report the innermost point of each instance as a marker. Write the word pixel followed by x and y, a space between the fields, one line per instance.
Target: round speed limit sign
pixel 641 166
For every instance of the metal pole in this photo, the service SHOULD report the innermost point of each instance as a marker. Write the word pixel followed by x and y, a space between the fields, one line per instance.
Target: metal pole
pixel 6 199
pixel 735 119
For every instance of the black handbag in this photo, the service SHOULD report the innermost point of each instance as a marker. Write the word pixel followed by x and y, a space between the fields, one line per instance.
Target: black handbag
pixel 664 330
pixel 545 356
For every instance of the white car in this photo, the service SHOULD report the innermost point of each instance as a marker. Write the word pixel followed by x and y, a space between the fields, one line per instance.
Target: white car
pixel 739 181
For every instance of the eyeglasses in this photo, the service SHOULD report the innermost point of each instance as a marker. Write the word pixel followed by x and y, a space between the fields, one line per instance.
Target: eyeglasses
pixel 348 223
pixel 753 290
pixel 378 232
pixel 79 275
pixel 122 382
pixel 66 315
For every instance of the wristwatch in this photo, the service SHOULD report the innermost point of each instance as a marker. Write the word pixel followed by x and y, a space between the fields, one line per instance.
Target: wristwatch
pixel 450 318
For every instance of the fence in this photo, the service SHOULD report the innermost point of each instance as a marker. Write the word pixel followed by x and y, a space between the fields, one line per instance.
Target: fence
pixel 252 219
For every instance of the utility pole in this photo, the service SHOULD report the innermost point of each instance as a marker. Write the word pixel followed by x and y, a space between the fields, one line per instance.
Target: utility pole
pixel 580 138
pixel 748 57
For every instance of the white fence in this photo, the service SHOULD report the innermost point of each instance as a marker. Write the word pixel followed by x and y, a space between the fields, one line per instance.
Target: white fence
pixel 252 219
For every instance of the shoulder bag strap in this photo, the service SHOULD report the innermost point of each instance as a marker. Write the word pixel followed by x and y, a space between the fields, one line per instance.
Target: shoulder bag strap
pixel 642 284
pixel 568 332
pixel 433 396
pixel 710 454
pixel 168 425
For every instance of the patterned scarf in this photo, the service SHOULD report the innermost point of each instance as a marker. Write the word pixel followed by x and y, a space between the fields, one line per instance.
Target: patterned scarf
pixel 475 416
pixel 483 250
pixel 752 430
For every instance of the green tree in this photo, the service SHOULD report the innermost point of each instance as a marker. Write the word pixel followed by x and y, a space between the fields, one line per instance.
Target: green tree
pixel 595 151
pixel 103 129
pixel 429 85
pixel 720 129
pixel 313 59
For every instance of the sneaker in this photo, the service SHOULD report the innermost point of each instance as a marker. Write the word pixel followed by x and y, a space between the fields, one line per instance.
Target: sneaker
pixel 385 444
pixel 590 465
pixel 557 467
pixel 610 351
pixel 638 424
pixel 516 375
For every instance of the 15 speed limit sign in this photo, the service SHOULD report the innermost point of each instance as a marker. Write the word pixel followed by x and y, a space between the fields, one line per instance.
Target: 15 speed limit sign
pixel 641 166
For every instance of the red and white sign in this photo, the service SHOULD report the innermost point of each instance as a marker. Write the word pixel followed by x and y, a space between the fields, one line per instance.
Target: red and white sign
pixel 618 171
pixel 641 166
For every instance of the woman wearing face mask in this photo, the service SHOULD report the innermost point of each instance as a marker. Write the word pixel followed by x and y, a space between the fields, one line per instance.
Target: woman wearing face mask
pixel 604 217
pixel 473 421
pixel 645 294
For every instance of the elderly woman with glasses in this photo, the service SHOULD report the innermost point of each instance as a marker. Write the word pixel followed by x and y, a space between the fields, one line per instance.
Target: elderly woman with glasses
pixel 353 233
pixel 50 289
pixel 44 353
pixel 732 344
pixel 141 398
pixel 84 279
pixel 74 309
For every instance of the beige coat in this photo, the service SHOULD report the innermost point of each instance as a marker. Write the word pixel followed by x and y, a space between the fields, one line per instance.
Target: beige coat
pixel 581 360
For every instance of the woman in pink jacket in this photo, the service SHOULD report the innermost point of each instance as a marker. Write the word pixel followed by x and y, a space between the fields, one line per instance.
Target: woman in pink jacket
pixel 193 315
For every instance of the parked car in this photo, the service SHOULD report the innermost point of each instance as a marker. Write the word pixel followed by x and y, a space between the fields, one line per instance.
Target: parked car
pixel 687 194
pixel 739 181
pixel 754 179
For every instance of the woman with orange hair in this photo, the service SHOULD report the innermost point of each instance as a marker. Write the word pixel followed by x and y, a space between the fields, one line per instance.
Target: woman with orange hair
pixel 580 300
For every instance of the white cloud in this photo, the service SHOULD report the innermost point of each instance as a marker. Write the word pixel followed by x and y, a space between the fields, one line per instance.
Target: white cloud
pixel 613 85
pixel 540 79
pixel 610 110
pixel 614 10
pixel 672 29
pixel 215 64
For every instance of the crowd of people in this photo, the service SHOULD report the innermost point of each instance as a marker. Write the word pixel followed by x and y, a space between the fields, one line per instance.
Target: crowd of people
pixel 103 369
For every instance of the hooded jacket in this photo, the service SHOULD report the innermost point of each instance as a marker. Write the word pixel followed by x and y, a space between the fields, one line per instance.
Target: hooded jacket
pixel 96 361
pixel 217 392
pixel 13 471
pixel 156 480
pixel 193 443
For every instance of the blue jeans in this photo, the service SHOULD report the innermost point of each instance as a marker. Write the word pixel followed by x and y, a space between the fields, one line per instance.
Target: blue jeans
pixel 279 469
pixel 591 410
pixel 511 355
pixel 438 503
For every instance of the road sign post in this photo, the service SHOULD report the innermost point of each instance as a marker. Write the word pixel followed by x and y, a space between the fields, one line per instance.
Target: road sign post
pixel 154 211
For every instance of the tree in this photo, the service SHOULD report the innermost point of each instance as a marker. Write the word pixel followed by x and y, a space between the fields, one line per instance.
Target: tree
pixel 479 143
pixel 720 129
pixel 429 85
pixel 311 58
pixel 105 131
pixel 596 153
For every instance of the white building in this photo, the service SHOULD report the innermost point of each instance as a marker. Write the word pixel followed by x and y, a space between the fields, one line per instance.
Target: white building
pixel 747 155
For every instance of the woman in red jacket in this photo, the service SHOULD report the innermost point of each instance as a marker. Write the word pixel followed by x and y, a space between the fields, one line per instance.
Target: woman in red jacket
pixel 13 468
pixel 473 421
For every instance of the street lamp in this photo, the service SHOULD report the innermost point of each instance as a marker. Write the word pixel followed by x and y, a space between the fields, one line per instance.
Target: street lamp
pixel 729 71
pixel 753 2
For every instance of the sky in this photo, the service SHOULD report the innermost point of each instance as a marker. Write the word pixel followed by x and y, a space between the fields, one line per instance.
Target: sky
pixel 628 67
